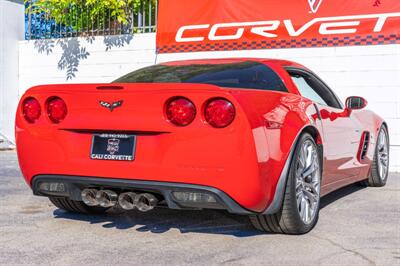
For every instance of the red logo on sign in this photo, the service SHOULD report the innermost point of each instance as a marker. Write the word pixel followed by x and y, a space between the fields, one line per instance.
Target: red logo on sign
pixel 314 5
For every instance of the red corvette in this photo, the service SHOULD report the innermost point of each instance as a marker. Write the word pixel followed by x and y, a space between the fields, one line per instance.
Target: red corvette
pixel 258 137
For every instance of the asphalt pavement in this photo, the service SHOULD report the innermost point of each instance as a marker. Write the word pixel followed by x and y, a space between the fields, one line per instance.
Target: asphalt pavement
pixel 357 226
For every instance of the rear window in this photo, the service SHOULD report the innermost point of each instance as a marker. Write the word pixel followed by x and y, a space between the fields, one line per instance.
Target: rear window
pixel 250 75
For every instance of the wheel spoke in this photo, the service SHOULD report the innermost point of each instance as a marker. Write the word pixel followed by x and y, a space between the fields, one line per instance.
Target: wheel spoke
pixel 302 158
pixel 381 169
pixel 298 185
pixel 381 141
pixel 307 211
pixel 299 197
pixel 382 154
pixel 302 208
pixel 309 158
pixel 312 186
pixel 310 170
pixel 311 163
pixel 311 196
pixel 299 190
pixel 383 135
pixel 300 165
pixel 299 170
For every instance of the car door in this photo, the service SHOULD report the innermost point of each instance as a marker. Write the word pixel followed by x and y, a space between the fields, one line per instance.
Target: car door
pixel 340 130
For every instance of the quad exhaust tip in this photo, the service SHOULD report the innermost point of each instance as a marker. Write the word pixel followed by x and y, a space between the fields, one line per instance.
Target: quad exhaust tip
pixel 89 197
pixel 146 202
pixel 106 198
pixel 128 200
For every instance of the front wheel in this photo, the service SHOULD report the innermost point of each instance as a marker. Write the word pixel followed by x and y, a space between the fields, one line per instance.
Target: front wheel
pixel 380 165
pixel 300 208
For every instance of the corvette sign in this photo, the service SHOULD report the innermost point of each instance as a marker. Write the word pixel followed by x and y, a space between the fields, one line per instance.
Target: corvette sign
pixel 221 25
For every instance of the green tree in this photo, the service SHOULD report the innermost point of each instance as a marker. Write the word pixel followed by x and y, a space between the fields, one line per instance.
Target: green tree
pixel 93 14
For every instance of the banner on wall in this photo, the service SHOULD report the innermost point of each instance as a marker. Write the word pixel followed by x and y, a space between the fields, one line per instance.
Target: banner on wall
pixel 224 25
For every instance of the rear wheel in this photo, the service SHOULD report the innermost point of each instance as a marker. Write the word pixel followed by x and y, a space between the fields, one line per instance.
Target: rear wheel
pixel 380 166
pixel 300 208
pixel 76 206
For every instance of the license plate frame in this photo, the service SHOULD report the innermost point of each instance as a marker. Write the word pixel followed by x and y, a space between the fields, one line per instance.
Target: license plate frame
pixel 113 147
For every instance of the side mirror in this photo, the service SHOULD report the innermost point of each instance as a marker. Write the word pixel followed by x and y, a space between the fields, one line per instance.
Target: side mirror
pixel 355 103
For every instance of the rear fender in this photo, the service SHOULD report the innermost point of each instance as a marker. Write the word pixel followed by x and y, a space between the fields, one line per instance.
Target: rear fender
pixel 277 120
pixel 276 203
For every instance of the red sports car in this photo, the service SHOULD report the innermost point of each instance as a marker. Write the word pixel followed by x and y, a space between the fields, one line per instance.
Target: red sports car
pixel 258 137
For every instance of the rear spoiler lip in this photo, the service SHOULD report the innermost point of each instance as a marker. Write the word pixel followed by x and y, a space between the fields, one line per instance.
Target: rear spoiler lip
pixel 87 87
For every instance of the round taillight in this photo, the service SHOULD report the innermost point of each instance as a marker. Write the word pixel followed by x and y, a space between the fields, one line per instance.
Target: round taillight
pixel 219 112
pixel 56 109
pixel 31 109
pixel 180 111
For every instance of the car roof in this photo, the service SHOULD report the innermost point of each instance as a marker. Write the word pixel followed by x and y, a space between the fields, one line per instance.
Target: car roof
pixel 283 63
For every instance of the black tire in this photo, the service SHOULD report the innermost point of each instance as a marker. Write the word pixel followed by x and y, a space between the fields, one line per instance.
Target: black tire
pixel 76 206
pixel 288 220
pixel 375 179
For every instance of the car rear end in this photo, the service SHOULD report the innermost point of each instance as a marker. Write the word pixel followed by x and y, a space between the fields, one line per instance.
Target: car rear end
pixel 189 145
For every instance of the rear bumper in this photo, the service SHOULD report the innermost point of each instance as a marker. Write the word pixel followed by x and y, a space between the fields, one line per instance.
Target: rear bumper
pixel 75 184
pixel 225 160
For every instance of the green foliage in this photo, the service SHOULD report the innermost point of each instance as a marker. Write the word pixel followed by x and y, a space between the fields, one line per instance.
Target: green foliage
pixel 91 14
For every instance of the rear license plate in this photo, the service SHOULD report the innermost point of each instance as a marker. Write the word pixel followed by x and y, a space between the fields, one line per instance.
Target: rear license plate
pixel 113 147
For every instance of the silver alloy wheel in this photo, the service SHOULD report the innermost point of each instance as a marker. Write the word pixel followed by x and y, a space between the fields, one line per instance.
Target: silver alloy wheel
pixel 308 185
pixel 383 154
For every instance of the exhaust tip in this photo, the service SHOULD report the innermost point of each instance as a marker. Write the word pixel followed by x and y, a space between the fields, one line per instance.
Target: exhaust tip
pixel 107 198
pixel 146 202
pixel 89 197
pixel 128 200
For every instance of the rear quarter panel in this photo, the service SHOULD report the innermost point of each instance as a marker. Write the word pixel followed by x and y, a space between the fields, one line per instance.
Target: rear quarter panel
pixel 273 145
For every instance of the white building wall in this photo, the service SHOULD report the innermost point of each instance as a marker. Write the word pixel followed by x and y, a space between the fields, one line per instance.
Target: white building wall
pixel 369 71
pixel 11 31
pixel 102 59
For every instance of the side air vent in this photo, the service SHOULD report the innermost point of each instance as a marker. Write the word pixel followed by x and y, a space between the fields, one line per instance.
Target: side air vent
pixel 365 139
